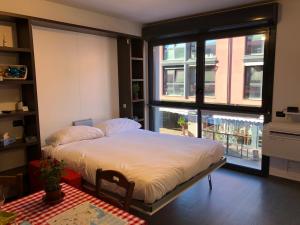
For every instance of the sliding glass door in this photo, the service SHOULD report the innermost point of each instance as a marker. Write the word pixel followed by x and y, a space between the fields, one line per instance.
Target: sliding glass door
pixel 216 86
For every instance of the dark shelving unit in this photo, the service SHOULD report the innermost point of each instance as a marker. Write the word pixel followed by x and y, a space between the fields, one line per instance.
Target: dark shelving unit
pixel 131 73
pixel 23 54
pixel 15 50
pixel 16 114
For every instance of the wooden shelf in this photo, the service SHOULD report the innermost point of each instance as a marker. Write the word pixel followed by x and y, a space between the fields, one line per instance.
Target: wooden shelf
pixel 137 80
pixel 14 171
pixel 15 82
pixel 141 120
pixel 15 50
pixel 16 114
pixel 138 100
pixel 136 58
pixel 21 54
pixel 17 144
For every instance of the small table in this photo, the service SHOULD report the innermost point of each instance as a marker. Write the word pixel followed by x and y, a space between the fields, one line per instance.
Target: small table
pixel 34 210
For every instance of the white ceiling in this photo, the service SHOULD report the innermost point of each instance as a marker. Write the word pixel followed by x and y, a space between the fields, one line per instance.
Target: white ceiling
pixel 147 11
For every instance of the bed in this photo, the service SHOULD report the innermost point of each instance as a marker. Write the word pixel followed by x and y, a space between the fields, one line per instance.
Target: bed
pixel 161 165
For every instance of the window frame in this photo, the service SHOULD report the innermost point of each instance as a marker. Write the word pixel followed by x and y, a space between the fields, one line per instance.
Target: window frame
pixel 175 68
pixel 244 87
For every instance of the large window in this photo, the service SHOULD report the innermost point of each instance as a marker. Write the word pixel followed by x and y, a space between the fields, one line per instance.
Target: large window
pixel 218 97
pixel 253 82
pixel 173 84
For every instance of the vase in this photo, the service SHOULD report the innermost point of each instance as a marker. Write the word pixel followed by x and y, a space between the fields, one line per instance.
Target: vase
pixel 53 196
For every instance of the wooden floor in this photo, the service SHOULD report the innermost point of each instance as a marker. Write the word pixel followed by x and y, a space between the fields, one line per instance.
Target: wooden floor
pixel 236 199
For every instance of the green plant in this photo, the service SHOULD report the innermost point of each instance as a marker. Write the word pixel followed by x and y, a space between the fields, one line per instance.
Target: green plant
pixel 51 173
pixel 181 121
pixel 136 89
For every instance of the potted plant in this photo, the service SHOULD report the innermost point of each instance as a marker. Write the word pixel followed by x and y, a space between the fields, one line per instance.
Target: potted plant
pixel 51 173
pixel 183 124
pixel 135 91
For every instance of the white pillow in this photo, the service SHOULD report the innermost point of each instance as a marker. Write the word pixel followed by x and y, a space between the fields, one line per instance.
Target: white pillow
pixel 72 134
pixel 119 125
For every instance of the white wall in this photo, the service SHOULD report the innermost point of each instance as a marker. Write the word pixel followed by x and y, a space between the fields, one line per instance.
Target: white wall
pixel 59 12
pixel 287 75
pixel 77 78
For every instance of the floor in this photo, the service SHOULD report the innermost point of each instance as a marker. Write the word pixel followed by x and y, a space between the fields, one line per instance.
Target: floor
pixel 236 199
pixel 255 164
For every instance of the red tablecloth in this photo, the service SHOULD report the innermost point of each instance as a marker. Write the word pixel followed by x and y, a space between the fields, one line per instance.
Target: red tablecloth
pixel 34 210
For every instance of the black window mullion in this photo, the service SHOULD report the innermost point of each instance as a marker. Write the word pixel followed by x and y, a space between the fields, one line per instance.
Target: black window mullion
pixel 200 71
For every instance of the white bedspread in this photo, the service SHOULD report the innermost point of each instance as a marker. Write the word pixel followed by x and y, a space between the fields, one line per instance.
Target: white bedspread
pixel 157 163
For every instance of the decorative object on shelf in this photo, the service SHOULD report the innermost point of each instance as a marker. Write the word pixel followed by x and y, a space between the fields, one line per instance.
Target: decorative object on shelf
pixel 292 109
pixel 51 172
pixel 183 124
pixel 19 106
pixel 1 77
pixel 13 72
pixel 4 41
pixel 6 140
pixel 135 91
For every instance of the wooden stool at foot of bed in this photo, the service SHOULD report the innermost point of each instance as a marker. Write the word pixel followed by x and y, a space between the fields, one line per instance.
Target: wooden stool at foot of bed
pixel 70 177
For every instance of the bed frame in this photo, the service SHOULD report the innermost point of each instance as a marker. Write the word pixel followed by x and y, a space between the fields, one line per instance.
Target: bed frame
pixel 150 209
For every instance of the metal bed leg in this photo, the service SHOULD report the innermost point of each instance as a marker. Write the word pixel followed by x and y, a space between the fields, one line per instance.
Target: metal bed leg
pixel 209 181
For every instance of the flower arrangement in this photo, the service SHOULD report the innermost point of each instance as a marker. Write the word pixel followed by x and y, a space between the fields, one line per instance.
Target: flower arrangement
pixel 51 173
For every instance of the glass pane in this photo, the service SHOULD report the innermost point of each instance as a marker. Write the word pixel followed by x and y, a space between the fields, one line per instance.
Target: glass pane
pixel 253 82
pixel 255 44
pixel 175 121
pixel 192 80
pixel 234 70
pixel 241 135
pixel 209 81
pixel 173 81
pixel 174 69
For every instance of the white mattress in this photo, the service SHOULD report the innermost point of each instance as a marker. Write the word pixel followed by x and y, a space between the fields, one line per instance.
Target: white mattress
pixel 157 163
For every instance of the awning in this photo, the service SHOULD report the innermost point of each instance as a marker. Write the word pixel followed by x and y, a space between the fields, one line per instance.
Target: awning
pixel 238 118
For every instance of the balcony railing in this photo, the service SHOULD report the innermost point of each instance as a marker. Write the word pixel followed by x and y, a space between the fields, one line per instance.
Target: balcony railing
pixel 236 144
